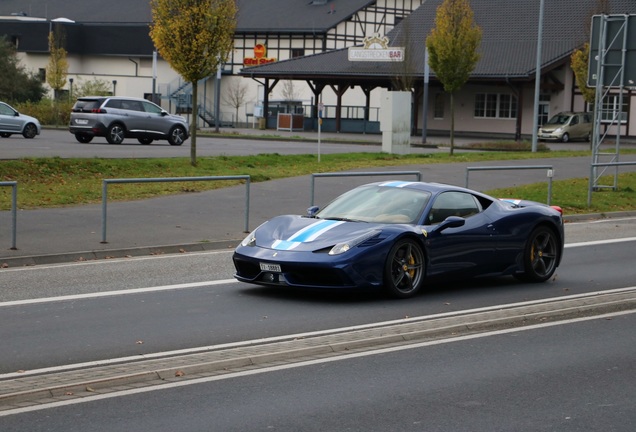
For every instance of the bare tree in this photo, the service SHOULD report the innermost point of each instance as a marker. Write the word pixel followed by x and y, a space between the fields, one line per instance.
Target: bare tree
pixel 288 91
pixel 235 96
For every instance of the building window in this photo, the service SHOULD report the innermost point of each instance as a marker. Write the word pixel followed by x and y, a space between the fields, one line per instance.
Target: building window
pixel 610 111
pixel 438 108
pixel 42 74
pixel 495 105
pixel 297 52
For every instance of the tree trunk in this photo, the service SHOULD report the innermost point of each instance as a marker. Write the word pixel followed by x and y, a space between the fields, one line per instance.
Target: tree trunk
pixel 193 125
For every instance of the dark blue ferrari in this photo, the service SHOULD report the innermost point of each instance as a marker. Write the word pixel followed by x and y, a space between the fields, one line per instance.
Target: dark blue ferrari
pixel 397 234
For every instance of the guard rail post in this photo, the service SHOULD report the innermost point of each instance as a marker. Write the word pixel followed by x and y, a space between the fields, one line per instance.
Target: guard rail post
pixel 14 211
pixel 105 183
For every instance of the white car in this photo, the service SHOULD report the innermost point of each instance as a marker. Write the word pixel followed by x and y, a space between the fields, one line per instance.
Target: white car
pixel 12 122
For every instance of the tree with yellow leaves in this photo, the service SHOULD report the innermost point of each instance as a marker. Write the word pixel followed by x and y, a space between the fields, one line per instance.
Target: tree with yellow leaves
pixel 452 46
pixel 57 68
pixel 195 37
pixel 579 60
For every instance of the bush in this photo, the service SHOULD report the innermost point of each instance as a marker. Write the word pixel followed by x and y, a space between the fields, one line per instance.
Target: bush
pixel 47 111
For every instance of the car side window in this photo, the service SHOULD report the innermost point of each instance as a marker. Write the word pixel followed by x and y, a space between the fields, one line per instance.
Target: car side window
pixel 575 120
pixel 453 204
pixel 151 108
pixel 113 103
pixel 5 110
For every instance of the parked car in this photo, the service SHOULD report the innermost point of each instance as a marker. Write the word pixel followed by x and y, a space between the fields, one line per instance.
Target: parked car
pixel 396 235
pixel 566 126
pixel 12 122
pixel 116 118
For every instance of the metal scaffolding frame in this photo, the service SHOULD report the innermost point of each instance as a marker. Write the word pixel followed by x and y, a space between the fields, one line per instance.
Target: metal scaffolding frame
pixel 608 60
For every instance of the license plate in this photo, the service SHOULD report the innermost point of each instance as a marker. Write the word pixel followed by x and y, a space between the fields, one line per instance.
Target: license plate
pixel 81 121
pixel 270 267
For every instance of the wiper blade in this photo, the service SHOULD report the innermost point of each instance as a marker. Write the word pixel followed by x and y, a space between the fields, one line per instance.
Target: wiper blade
pixel 343 219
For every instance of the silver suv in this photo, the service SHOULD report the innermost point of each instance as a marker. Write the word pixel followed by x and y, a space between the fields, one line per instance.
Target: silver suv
pixel 116 118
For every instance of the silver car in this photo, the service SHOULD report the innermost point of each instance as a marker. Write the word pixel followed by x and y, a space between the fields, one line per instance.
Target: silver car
pixel 116 118
pixel 566 126
pixel 12 122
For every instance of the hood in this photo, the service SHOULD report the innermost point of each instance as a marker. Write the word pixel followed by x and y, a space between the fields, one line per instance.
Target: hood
pixel 299 233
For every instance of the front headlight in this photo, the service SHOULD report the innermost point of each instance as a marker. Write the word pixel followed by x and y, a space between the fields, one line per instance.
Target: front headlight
pixel 250 240
pixel 341 248
pixel 558 130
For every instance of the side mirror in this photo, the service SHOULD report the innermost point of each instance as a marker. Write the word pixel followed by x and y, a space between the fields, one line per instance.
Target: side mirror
pixel 164 113
pixel 311 211
pixel 451 222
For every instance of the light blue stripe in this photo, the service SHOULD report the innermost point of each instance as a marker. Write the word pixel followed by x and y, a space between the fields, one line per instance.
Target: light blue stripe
pixel 396 184
pixel 303 236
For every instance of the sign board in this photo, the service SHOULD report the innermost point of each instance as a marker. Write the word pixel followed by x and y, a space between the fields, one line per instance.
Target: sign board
pixel 612 34
pixel 376 48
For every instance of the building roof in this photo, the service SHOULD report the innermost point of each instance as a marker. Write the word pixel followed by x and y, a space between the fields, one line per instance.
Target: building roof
pixel 279 16
pixel 508 47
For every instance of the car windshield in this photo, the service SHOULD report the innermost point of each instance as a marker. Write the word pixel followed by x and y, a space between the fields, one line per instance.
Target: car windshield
pixel 559 119
pixel 377 203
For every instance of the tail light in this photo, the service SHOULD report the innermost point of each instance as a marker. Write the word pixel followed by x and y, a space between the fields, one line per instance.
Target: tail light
pixel 98 111
pixel 557 208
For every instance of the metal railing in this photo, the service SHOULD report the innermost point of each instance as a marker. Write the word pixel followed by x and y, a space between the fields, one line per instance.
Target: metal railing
pixel 550 173
pixel 106 182
pixel 417 175
pixel 14 209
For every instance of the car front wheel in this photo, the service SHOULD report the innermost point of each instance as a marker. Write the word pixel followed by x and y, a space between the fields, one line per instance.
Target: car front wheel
pixel 541 255
pixel 177 136
pixel 404 269
pixel 115 134
pixel 144 141
pixel 30 131
pixel 565 138
pixel 5 134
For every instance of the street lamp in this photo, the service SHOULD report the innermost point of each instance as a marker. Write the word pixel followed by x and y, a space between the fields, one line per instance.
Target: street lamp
pixel 114 87
pixel 70 80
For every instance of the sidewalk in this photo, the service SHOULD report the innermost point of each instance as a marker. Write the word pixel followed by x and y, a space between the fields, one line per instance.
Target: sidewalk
pixel 216 219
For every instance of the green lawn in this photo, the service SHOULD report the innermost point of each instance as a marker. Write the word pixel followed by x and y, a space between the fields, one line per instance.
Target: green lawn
pixel 54 182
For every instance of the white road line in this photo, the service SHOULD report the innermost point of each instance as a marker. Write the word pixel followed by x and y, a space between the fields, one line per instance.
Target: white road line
pixel 300 364
pixel 119 292
pixel 599 242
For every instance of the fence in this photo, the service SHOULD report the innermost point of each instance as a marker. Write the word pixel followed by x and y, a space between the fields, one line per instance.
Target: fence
pixel 417 175
pixel 14 208
pixel 106 182
pixel 550 173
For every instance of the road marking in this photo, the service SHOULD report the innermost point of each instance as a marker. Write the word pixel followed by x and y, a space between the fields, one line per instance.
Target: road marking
pixel 206 380
pixel 119 292
pixel 599 242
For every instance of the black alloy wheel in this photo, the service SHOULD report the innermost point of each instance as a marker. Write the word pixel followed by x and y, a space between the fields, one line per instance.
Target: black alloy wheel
pixel 404 269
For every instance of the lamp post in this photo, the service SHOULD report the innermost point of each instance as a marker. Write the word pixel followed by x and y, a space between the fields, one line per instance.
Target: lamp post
pixel 114 87
pixel 70 80
pixel 537 82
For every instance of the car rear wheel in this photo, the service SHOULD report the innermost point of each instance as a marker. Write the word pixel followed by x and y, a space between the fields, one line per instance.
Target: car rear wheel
pixel 565 138
pixel 541 255
pixel 177 136
pixel 144 141
pixel 115 134
pixel 30 131
pixel 404 269
pixel 5 135
pixel 83 138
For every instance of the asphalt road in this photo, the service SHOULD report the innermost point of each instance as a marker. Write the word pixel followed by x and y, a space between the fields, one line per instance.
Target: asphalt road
pixel 567 378
pixel 204 306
